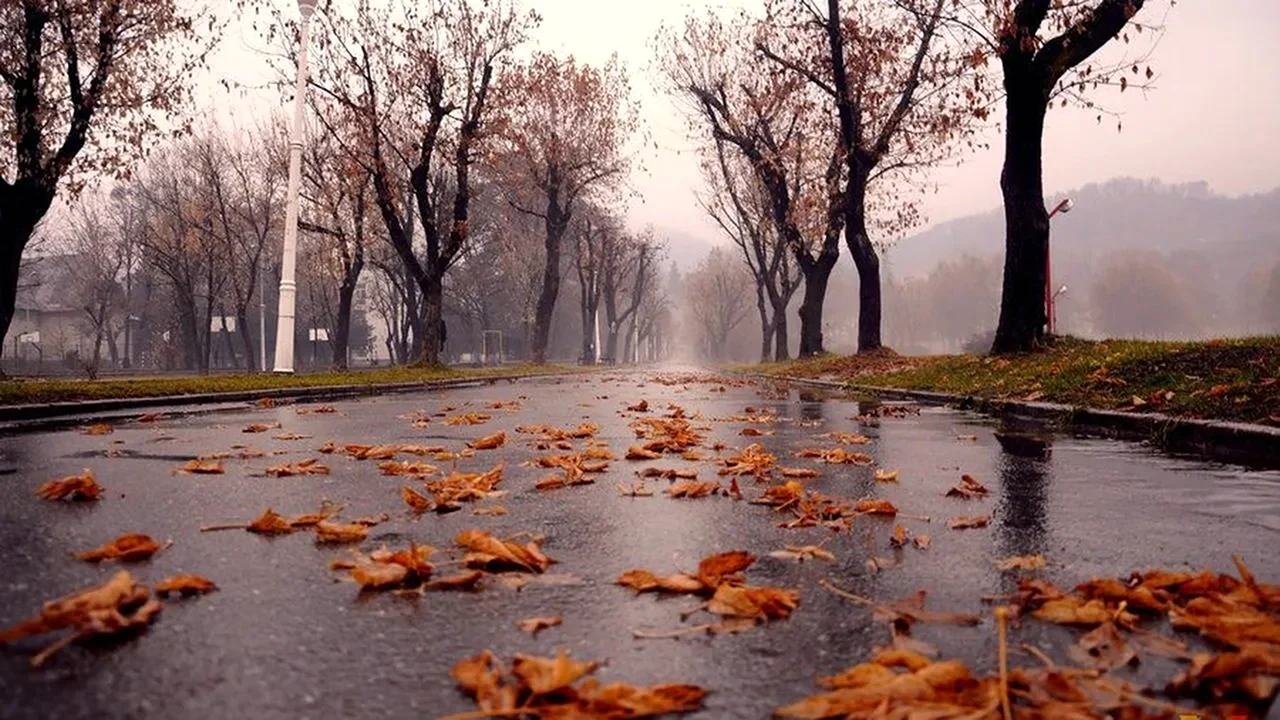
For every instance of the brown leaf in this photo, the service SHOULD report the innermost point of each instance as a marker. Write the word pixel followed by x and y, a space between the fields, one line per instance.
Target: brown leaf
pixel 534 625
pixel 98 429
pixel 291 436
pixel 693 489
pixel 1022 562
pixel 260 427
pixel 1104 647
pixel 488 552
pixel 961 522
pixel 761 603
pixel 922 541
pixel 467 419
pixel 882 475
pixel 310 466
pixel 645 581
pixel 185 585
pixel 131 547
pixel 642 406
pixel 270 523
pixel 150 417
pixel 968 488
pixel 875 506
pixel 77 488
pixel 337 533
pixel 416 501
pixel 409 468
pixel 202 467
pixel 900 536
pixel 800 553
pixel 797 472
pixel 636 452
pixel 713 570
pixel 458 581
pixel 847 438
pixel 489 442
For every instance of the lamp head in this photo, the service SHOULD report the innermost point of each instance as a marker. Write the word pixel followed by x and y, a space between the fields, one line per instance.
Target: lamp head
pixel 306 7
pixel 1066 205
pixel 1062 289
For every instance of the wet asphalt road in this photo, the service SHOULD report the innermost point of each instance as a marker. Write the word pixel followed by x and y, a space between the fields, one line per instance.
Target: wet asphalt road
pixel 282 638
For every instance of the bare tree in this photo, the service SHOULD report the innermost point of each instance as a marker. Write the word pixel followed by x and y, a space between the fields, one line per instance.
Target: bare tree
pixel 718 293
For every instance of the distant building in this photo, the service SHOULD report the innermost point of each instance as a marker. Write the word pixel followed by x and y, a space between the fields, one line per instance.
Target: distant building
pixel 49 332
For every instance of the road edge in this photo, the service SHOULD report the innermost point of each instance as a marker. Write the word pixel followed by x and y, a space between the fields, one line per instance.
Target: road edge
pixel 42 415
pixel 1243 443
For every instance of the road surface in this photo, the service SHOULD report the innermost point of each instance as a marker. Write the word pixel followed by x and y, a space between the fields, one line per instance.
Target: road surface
pixel 284 637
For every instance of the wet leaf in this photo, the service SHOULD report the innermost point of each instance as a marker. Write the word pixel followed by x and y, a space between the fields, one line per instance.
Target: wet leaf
pixel 467 419
pixel 317 410
pixel 184 585
pixel 489 442
pixel 669 473
pixel 797 472
pixel 535 625
pixel 636 490
pixel 310 466
pixel 693 489
pixel 118 607
pixel 1022 562
pixel 636 452
pixel 882 475
pixel 1104 647
pixel 488 552
pixel 150 417
pixel 416 501
pixel 848 438
pixel 922 541
pixel 202 467
pixel 131 547
pixel 968 488
pixel 75 488
pixel 291 436
pixel 465 581
pixel 338 533
pixel 270 523
pixel 410 468
pixel 760 603
pixel 260 427
pixel 875 506
pixel 900 536
pixel 491 510
pixel 961 522
pixel 800 553
pixel 98 429
pixel 465 487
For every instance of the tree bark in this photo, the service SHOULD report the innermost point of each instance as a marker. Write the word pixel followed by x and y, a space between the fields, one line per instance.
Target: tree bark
pixel 767 325
pixel 21 207
pixel 780 351
pixel 1022 311
pixel 816 276
pixel 556 222
pixel 246 337
pixel 867 263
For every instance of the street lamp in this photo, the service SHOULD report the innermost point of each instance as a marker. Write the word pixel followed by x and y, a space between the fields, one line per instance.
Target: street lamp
pixel 1049 295
pixel 289 257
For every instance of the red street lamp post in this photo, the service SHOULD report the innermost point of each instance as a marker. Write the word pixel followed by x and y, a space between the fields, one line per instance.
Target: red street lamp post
pixel 1049 295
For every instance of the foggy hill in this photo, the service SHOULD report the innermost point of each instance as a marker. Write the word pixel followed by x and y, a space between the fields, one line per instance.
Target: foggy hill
pixel 1120 214
pixel 684 249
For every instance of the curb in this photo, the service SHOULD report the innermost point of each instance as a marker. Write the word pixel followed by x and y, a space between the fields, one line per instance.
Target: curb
pixel 44 416
pixel 1244 443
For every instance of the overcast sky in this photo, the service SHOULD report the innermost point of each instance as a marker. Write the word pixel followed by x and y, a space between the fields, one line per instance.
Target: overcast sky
pixel 1213 116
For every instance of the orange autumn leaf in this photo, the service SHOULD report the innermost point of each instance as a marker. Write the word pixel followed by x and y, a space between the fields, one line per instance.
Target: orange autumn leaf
pixel 758 603
pixel 185 585
pixel 636 452
pixel 131 547
pixel 1022 562
pixel 260 427
pixel 490 510
pixel 198 466
pixel 98 429
pixel 875 506
pixel 467 419
pixel 117 607
pixel 488 552
pixel 409 468
pixel 922 541
pixel 693 489
pixel 715 569
pixel 76 488
pixel 968 488
pixel 489 442
pixel 535 625
pixel 645 581
pixel 310 466
pixel 270 523
pixel 848 438
pixel 416 501
pixel 882 475
pixel 337 533
pixel 961 522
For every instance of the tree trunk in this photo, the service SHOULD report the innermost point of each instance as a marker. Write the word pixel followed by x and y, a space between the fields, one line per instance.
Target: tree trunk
pixel 21 207
pixel 432 314
pixel 816 276
pixel 1026 245
pixel 780 350
pixel 556 224
pixel 766 326
pixel 342 333
pixel 246 337
pixel 868 265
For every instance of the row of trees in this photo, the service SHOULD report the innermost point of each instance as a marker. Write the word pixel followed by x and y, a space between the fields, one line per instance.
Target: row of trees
pixel 820 120
pixel 435 155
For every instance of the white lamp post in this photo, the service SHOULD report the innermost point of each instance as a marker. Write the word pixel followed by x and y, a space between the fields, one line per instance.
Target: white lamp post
pixel 288 260
pixel 1049 295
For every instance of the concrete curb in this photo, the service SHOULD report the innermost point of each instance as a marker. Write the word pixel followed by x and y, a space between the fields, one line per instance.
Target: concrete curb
pixel 1244 443
pixel 43 416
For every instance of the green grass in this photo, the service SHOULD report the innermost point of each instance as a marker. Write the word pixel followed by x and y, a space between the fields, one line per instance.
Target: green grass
pixel 1220 379
pixel 27 392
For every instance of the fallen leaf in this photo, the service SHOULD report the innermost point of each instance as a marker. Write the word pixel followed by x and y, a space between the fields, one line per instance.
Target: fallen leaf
pixel 260 427
pixel 760 603
pixel 489 442
pixel 800 553
pixel 848 438
pixel 875 506
pixel 98 429
pixel 642 406
pixel 118 607
pixel 318 410
pixel 150 417
pixel 797 472
pixel 467 419
pixel 337 533
pixel 184 585
pixel 490 510
pixel 968 488
pixel 197 466
pixel 270 523
pixel 636 452
pixel 535 625
pixel 131 547
pixel 76 488
pixel 1022 562
pixel 694 489
pixel 409 468
pixel 291 436
pixel 637 490
pixel 310 466
pixel 416 501
pixel 882 475
pixel 1104 648
pixel 900 536
pixel 488 552
pixel 961 522
pixel 922 541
